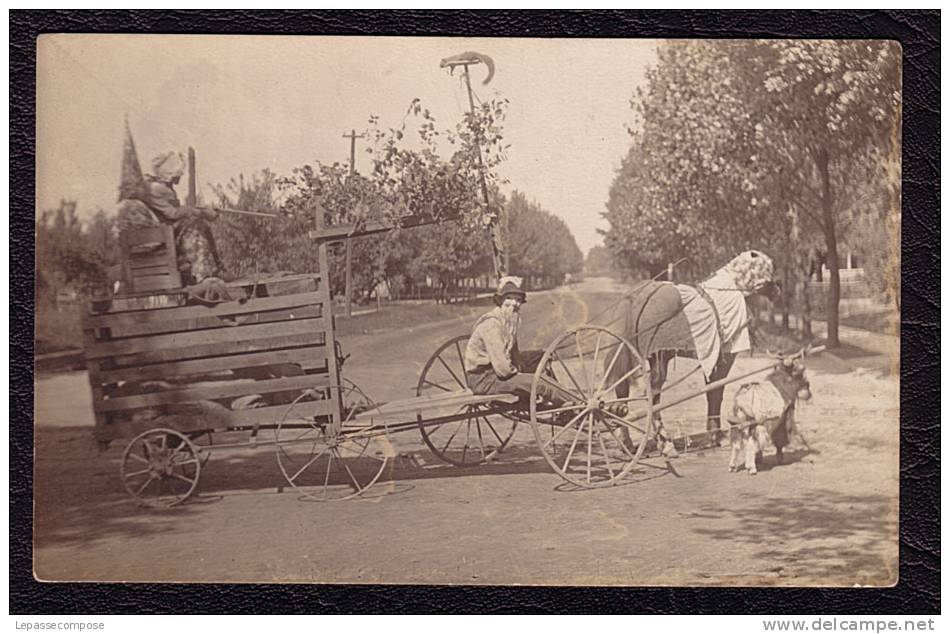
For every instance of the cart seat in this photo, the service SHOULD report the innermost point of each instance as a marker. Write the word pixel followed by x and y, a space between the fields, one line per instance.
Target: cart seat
pixel 149 259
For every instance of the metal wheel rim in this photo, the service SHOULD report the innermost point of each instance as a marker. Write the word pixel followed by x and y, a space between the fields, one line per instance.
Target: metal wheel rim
pixel 339 482
pixel 154 469
pixel 462 429
pixel 204 450
pixel 587 418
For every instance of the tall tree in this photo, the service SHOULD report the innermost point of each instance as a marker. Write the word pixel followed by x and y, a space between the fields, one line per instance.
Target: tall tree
pixel 828 121
pixel 539 243
pixel 756 144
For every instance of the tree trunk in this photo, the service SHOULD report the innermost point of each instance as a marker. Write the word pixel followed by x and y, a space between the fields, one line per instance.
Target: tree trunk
pixel 806 309
pixel 498 248
pixel 786 297
pixel 831 243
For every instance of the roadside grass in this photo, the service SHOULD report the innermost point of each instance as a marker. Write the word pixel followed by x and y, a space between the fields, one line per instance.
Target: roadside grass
pixel 395 315
pixel 775 338
pixel 884 322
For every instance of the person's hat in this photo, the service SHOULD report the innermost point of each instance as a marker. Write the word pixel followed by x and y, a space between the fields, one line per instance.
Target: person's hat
pixel 510 285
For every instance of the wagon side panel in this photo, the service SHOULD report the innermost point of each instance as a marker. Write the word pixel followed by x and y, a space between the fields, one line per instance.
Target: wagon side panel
pixel 238 363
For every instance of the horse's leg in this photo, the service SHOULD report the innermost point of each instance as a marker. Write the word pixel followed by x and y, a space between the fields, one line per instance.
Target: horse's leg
pixel 619 368
pixel 714 397
pixel 659 364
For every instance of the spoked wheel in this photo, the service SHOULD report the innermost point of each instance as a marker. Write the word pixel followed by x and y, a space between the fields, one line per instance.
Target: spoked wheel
pixel 595 437
pixel 160 468
pixel 481 432
pixel 329 462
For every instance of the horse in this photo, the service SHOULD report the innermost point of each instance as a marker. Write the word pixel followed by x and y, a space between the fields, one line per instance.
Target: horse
pixel 708 321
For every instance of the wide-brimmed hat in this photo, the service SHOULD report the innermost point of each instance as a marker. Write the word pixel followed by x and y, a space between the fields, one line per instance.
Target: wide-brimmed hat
pixel 510 285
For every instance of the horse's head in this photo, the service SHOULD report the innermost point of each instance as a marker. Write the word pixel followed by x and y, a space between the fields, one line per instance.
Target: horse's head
pixel 754 272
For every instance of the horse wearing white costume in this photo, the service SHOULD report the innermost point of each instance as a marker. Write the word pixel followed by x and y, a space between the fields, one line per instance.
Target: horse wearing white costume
pixel 708 322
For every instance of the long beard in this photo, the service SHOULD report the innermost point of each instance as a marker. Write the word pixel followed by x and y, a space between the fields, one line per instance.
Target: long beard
pixel 511 321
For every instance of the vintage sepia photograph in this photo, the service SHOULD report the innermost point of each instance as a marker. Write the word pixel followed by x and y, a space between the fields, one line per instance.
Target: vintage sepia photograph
pixel 467 311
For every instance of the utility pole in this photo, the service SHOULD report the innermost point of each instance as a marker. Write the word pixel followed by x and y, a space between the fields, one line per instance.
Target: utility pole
pixel 499 259
pixel 352 136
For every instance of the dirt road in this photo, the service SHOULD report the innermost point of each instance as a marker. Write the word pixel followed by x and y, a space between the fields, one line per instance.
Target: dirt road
pixel 828 517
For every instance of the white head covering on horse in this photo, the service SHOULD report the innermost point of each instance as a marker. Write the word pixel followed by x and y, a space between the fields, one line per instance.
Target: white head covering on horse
pixel 726 291
pixel 748 272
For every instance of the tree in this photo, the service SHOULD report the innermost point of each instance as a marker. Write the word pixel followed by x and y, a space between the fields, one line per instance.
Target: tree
pixel 250 245
pixel 539 243
pixel 599 262
pixel 65 258
pixel 757 144
pixel 411 180
pixel 687 187
pixel 829 121
pixel 102 235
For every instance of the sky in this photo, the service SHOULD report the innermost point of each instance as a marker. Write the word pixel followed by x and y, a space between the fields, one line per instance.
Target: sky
pixel 246 103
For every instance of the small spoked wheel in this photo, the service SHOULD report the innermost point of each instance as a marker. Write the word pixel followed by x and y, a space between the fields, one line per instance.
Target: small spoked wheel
pixel 160 468
pixel 329 461
pixel 593 419
pixel 470 435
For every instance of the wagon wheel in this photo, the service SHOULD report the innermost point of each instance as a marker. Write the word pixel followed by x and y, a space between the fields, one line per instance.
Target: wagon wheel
pixel 160 468
pixel 596 437
pixel 329 464
pixel 483 432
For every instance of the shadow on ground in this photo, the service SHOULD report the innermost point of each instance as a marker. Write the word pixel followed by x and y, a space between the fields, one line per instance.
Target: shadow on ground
pixel 835 534
pixel 80 498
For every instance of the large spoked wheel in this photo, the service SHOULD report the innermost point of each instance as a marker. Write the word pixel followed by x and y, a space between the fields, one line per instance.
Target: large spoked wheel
pixel 160 468
pixel 477 433
pixel 327 462
pixel 587 433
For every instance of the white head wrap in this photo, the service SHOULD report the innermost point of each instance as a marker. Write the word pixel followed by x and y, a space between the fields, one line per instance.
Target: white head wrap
pixel 168 166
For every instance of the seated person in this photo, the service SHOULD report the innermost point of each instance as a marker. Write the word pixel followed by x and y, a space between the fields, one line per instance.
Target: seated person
pixel 493 363
pixel 197 254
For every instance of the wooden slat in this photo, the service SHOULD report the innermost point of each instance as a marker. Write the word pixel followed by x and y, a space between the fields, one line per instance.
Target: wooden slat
pixel 275 343
pixel 229 389
pixel 180 313
pixel 152 283
pixel 205 323
pixel 201 338
pixel 308 358
pixel 272 415
pixel 146 261
pixel 145 235
pixel 162 300
pixel 139 272
pixel 247 283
